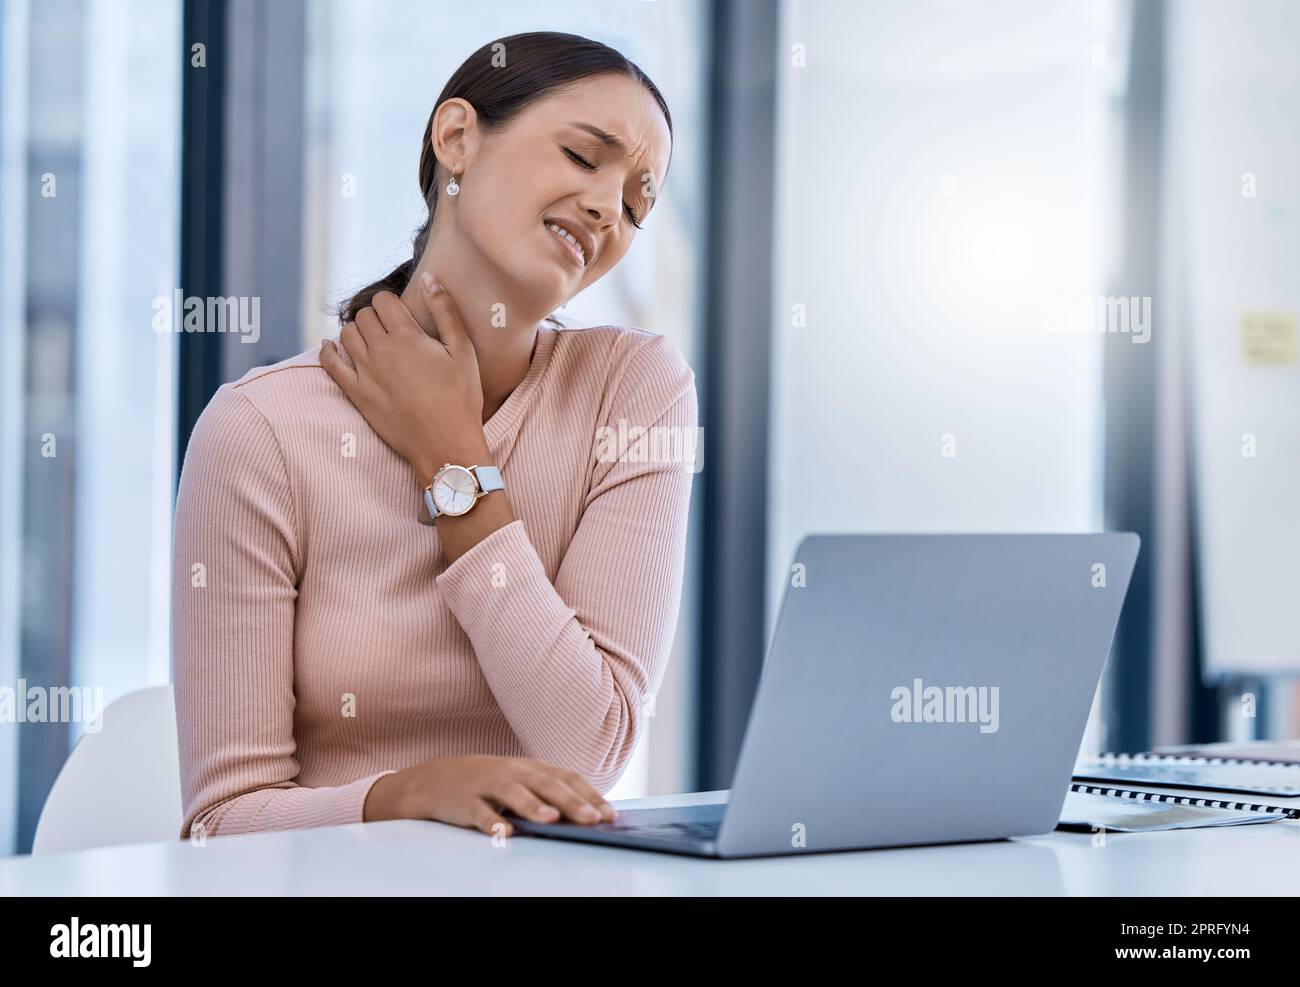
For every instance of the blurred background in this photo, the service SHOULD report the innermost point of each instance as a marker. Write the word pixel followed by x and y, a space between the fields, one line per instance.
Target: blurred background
pixel 894 243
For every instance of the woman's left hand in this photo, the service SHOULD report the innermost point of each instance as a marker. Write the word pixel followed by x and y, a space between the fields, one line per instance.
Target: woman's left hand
pixel 421 395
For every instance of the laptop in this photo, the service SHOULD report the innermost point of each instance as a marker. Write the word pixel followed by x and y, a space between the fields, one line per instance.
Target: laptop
pixel 918 689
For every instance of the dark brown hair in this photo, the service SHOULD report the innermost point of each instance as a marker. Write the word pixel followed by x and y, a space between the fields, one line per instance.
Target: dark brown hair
pixel 537 64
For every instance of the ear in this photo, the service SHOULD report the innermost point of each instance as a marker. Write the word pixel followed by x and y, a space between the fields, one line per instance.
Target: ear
pixel 455 135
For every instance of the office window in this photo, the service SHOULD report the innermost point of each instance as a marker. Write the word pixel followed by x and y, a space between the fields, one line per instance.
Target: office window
pixel 89 117
pixel 915 383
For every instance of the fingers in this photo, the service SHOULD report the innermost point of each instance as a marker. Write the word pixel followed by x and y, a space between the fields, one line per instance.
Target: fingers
pixel 445 314
pixel 588 791
pixel 559 792
pixel 394 314
pixel 579 784
pixel 486 819
pixel 421 311
pixel 450 328
pixel 371 328
pixel 351 338
pixel 475 790
pixel 342 374
pixel 517 797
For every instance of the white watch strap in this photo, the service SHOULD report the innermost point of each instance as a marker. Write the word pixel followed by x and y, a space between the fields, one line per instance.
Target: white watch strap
pixel 489 478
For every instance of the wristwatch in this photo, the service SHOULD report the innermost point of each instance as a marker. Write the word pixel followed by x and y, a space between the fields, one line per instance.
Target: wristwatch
pixel 456 489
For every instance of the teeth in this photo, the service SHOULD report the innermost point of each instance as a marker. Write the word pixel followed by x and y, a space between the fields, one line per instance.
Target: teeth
pixel 561 231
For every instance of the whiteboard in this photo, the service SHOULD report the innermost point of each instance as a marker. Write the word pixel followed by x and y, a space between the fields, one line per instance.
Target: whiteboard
pixel 1235 152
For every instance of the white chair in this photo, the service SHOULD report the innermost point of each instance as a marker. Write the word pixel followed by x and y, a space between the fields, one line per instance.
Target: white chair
pixel 121 783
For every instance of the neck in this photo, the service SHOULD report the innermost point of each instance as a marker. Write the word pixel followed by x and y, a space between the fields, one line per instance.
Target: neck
pixel 504 352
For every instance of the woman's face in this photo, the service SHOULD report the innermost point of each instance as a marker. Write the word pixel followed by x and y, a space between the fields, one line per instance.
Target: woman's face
pixel 551 164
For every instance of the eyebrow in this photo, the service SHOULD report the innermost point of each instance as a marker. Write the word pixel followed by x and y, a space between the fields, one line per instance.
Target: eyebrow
pixel 606 138
pixel 609 140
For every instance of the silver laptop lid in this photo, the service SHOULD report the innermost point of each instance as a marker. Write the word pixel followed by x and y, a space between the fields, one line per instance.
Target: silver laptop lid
pixel 925 689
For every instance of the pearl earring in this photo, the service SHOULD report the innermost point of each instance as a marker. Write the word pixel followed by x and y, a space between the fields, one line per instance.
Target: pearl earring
pixel 452 187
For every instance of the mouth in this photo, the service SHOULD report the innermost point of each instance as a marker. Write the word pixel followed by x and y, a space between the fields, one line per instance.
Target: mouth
pixel 572 245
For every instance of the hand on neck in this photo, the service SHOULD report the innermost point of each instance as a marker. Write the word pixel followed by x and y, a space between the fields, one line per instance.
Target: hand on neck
pixel 504 352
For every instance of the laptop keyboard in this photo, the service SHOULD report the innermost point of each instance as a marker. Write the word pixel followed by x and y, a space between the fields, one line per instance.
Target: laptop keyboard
pixel 670 830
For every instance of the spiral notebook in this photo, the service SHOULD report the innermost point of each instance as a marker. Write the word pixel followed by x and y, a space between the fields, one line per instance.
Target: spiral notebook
pixel 1266 751
pixel 1244 776
pixel 1090 808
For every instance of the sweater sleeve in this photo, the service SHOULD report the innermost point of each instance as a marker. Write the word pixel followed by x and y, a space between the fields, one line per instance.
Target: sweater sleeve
pixel 234 585
pixel 574 664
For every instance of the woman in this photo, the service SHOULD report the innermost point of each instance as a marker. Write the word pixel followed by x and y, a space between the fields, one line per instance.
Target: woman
pixel 336 660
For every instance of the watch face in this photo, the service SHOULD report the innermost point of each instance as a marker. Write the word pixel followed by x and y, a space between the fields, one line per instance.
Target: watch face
pixel 454 490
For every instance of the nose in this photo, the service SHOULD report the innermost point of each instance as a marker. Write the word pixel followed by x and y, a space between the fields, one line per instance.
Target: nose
pixel 604 206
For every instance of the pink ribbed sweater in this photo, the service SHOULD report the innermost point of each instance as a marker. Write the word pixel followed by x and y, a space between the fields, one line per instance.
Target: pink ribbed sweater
pixel 321 641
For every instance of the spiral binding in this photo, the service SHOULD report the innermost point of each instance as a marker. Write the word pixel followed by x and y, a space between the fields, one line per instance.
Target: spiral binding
pixel 1149 757
pixel 1184 800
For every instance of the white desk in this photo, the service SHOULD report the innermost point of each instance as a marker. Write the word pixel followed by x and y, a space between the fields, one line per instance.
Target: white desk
pixel 418 858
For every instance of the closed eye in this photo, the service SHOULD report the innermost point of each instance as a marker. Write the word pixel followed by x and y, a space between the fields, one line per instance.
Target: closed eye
pixel 591 167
